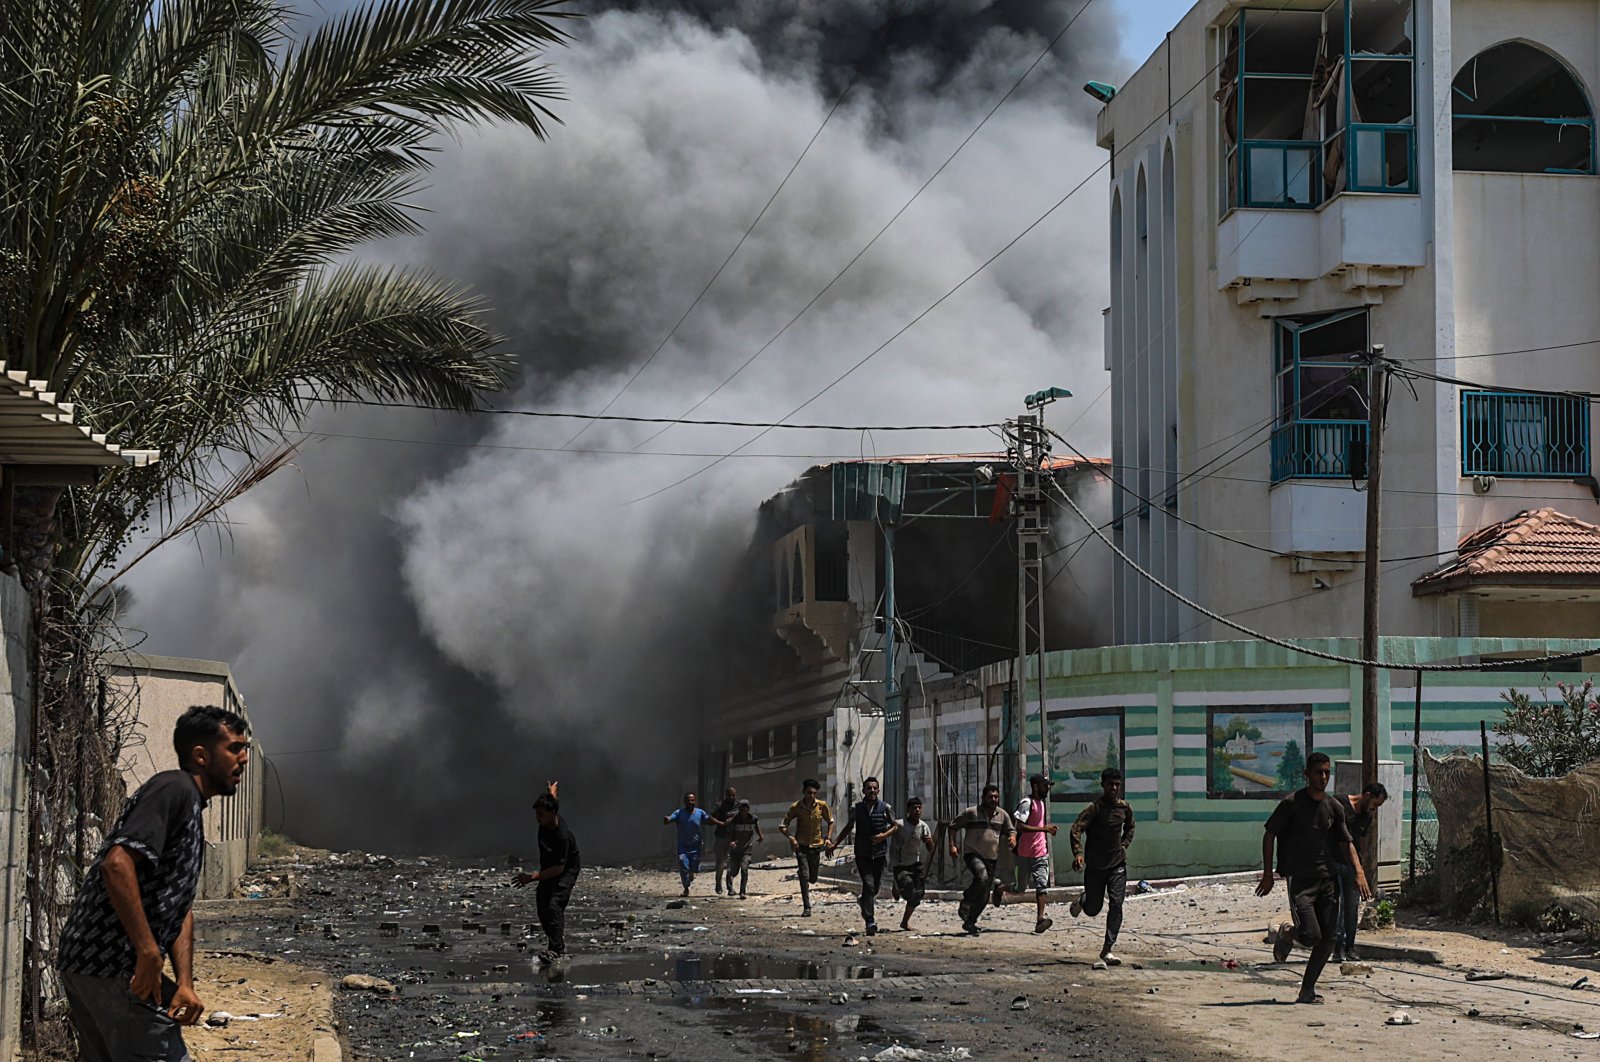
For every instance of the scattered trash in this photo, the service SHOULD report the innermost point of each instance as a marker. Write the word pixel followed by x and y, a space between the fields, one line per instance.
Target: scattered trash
pixel 839 998
pixel 1585 1035
pixel 1099 964
pixel 1144 886
pixel 901 1053
pixel 219 1019
pixel 1151 991
pixel 701 929
pixel 1485 975
pixel 677 905
pixel 1355 969
pixel 1020 1003
pixel 850 941
pixel 532 1036
pixel 1400 1017
pixel 1580 982
pixel 366 983
pixel 1230 964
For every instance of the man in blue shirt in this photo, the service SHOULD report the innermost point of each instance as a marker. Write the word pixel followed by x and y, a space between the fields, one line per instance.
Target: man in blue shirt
pixel 691 821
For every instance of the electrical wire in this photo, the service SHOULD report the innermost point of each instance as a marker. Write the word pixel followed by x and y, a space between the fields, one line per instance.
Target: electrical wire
pixel 874 240
pixel 1353 661
pixel 855 77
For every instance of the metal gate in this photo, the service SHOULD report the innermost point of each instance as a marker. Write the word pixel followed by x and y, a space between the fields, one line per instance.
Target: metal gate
pixel 961 777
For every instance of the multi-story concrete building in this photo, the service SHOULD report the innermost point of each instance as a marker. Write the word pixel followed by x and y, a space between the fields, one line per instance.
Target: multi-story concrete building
pixel 1292 183
pixel 163 688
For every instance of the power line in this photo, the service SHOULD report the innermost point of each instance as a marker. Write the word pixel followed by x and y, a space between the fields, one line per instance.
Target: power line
pixel 1354 661
pixel 562 415
pixel 592 450
pixel 878 235
pixel 837 103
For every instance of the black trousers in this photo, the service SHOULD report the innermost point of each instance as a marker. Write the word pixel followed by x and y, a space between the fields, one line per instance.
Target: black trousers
pixel 871 872
pixel 976 896
pixel 1314 901
pixel 807 861
pixel 550 899
pixel 1100 886
pixel 912 881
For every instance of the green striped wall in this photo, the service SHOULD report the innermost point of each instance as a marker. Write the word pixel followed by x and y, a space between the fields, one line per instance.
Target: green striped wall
pixel 1165 689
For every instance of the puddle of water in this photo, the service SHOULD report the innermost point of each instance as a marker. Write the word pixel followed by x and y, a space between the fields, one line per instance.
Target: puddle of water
pixel 812 1038
pixel 719 966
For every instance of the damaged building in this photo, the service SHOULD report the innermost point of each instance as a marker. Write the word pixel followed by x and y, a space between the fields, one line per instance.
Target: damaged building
pixel 909 559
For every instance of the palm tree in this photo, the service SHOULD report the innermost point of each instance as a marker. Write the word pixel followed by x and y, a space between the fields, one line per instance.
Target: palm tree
pixel 184 183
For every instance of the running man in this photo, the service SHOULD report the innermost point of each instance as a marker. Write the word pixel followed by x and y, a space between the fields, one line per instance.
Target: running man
pixel 982 827
pixel 558 873
pixel 721 843
pixel 744 832
pixel 1033 843
pixel 872 821
pixel 1310 828
pixel 813 823
pixel 1108 824
pixel 911 839
pixel 691 821
pixel 1359 810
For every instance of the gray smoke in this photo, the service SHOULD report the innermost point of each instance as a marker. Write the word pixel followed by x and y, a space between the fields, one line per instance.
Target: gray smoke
pixel 426 631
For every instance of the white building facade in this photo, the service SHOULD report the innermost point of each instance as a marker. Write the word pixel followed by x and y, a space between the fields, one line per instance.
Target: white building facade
pixel 1292 184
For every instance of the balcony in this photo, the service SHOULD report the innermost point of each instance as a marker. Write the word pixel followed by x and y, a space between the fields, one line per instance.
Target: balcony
pixel 1320 449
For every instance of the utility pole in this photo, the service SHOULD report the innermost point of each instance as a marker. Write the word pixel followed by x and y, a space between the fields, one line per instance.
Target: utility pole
pixel 1029 451
pixel 893 714
pixel 1378 401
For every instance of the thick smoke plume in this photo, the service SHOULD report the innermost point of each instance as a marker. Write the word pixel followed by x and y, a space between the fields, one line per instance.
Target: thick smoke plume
pixel 426 631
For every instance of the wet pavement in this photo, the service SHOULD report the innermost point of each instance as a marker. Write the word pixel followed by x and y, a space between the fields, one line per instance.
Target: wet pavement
pixel 649 977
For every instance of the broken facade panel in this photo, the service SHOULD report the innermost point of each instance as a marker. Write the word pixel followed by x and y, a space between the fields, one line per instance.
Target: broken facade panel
pixel 1318 102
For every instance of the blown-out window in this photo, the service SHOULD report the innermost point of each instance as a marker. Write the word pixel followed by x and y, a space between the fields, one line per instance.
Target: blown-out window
pixel 1321 427
pixel 1517 109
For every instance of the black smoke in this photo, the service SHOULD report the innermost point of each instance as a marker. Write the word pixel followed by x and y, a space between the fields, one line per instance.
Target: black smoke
pixel 426 630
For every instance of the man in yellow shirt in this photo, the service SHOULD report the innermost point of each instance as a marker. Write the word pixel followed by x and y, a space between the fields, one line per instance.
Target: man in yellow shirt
pixel 813 824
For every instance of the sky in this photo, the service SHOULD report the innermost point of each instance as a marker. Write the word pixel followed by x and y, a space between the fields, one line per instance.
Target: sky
pixel 1145 24
pixel 429 615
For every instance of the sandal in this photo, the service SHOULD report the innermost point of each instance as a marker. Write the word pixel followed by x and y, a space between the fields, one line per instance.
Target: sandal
pixel 1315 1000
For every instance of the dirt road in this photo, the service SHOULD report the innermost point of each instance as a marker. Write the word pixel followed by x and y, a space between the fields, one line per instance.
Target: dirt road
pixel 718 978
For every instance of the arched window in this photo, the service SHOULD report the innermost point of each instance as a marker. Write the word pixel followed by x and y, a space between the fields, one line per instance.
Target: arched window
pixel 1518 109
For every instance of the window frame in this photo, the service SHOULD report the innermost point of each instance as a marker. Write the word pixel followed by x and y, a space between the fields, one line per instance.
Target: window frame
pixel 1458 121
pixel 1291 429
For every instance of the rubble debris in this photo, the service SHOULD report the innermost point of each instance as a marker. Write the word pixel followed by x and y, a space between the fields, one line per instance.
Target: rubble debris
pixel 219 1019
pixel 1486 975
pixel 366 983
pixel 1355 969
pixel 1400 1017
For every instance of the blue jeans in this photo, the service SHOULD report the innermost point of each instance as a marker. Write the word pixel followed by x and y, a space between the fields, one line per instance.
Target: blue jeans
pixel 1349 908
pixel 688 864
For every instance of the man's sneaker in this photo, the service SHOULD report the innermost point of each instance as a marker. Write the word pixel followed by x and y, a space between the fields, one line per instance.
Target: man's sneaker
pixel 807 912
pixel 965 913
pixel 1284 944
pixel 872 929
pixel 971 929
pixel 1110 959
pixel 719 886
pixel 1042 924
pixel 686 890
pixel 998 896
pixel 1076 907
pixel 741 896
pixel 549 958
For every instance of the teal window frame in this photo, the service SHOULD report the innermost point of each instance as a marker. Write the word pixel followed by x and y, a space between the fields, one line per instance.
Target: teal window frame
pixel 1524 435
pixel 1585 122
pixel 1240 188
pixel 1312 447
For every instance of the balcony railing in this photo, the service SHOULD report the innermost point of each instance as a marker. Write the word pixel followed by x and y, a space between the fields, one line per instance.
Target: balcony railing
pixel 1533 436
pixel 1288 174
pixel 1320 449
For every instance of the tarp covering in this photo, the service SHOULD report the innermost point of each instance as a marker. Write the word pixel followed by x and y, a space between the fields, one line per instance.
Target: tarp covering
pixel 1547 831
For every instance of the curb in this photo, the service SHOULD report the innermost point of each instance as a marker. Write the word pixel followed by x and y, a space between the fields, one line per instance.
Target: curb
pixel 1060 893
pixel 326 1049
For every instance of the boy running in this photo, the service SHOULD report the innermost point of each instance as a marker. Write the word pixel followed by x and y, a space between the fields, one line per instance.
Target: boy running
pixel 906 847
pixel 1033 845
pixel 1310 828
pixel 691 823
pixel 1108 824
pixel 872 821
pixel 744 832
pixel 983 827
pixel 813 822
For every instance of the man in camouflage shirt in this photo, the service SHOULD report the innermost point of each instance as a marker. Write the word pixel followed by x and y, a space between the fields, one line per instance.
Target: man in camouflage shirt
pixel 134 910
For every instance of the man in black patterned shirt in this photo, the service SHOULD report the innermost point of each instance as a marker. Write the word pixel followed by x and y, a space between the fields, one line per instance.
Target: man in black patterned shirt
pixel 135 907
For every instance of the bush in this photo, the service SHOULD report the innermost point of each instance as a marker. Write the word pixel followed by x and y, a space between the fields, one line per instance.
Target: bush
pixel 272 845
pixel 1550 739
pixel 1385 914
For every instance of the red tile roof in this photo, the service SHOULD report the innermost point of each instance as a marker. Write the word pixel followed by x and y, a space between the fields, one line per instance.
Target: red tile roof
pixel 1537 546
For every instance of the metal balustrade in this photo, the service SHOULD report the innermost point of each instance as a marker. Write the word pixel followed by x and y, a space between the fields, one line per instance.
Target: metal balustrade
pixel 1535 436
pixel 1320 449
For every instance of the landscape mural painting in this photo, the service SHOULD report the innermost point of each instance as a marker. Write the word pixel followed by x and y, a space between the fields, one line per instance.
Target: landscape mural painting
pixel 1257 750
pixel 1082 744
